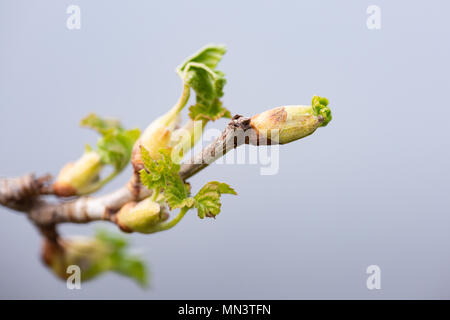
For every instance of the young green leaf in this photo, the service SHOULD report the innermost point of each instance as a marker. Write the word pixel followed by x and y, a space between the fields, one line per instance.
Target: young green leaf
pixel 320 107
pixel 98 124
pixel 158 173
pixel 207 84
pixel 114 240
pixel 116 145
pixel 199 72
pixel 163 174
pixel 119 259
pixel 212 112
pixel 177 195
pixel 210 55
pixel 113 148
pixel 207 200
pixel 133 267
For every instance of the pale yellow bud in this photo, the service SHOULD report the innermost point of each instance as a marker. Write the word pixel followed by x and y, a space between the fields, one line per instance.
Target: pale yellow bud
pixel 77 178
pixel 285 124
pixel 158 134
pixel 140 217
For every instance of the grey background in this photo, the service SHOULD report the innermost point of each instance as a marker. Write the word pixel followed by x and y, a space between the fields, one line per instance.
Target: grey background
pixel 371 188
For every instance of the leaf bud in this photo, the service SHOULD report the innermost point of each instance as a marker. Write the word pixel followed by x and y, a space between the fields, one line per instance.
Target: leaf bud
pixel 289 123
pixel 76 178
pixel 140 217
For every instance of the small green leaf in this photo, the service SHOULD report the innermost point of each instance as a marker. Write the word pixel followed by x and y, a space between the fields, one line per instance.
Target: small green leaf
pixel 207 84
pixel 149 179
pixel 207 200
pixel 213 112
pixel 116 144
pixel 320 107
pixel 98 124
pixel 120 260
pixel 209 55
pixel 177 196
pixel 147 160
pixel 133 267
pixel 158 173
pixel 163 174
pixel 113 239
pixel 115 147
pixel 224 188
pixel 199 72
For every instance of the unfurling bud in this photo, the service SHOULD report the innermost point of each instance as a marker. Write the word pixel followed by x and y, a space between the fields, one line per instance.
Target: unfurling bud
pixel 289 123
pixel 77 178
pixel 141 217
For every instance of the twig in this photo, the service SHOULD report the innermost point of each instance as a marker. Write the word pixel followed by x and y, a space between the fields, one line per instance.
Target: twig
pixel 237 132
pixel 25 193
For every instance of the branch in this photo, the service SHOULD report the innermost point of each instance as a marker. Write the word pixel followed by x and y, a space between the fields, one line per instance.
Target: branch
pixel 86 209
pixel 239 131
pixel 19 193
pixel 23 194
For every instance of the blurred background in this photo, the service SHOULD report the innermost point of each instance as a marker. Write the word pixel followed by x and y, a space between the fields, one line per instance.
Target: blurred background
pixel 370 188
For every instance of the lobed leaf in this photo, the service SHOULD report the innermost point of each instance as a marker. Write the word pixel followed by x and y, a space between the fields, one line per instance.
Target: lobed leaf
pixel 120 260
pixel 210 56
pixel 207 200
pixel 213 112
pixel 177 195
pixel 94 122
pixel 164 174
pixel 115 147
pixel 157 173
pixel 116 144
pixel 199 73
